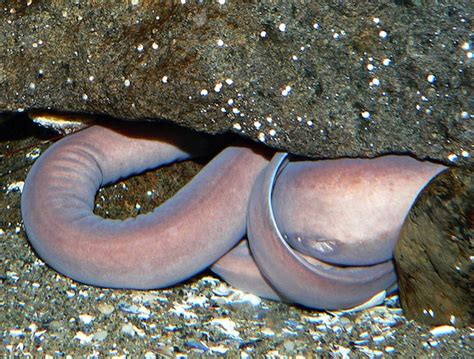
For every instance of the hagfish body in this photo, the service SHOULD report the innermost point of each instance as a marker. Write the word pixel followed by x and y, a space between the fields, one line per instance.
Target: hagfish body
pixel 321 233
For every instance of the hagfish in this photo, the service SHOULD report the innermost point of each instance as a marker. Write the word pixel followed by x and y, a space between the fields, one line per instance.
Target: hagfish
pixel 320 233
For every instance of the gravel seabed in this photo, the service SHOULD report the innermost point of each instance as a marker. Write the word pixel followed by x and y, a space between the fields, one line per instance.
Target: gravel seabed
pixel 44 314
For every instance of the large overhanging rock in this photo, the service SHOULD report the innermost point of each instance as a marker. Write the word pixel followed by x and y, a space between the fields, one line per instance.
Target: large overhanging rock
pixel 324 79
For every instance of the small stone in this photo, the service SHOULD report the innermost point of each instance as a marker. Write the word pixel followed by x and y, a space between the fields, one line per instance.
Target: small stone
pixel 128 330
pixel 289 345
pixel 268 332
pixel 100 336
pixel 442 330
pixel 83 338
pixel 106 308
pixel 86 318
pixel 18 333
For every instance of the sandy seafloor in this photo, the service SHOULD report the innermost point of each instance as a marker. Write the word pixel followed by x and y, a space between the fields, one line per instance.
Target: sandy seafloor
pixel 44 314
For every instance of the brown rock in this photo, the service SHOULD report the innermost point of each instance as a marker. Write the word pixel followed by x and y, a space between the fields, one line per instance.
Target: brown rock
pixel 322 79
pixel 434 256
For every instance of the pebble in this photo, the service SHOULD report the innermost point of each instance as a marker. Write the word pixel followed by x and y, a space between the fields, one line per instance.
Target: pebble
pixel 128 329
pixel 378 339
pixel 86 318
pixel 106 308
pixel 268 332
pixel 140 311
pixel 15 187
pixel 289 345
pixel 219 349
pixel 197 345
pixel 222 290
pixel 83 338
pixel 198 300
pixel 17 333
pixel 227 326
pixel 442 330
pixel 100 335
pixel 181 310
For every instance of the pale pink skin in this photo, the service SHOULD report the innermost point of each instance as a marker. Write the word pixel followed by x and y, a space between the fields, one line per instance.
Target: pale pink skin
pixel 362 226
pixel 238 268
pixel 177 240
pixel 207 217
pixel 283 272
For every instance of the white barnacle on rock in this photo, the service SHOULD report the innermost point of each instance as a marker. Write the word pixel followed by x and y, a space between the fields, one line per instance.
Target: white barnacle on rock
pixel 218 87
pixel 374 82
pixel 431 78
pixel 453 157
pixel 237 126
pixel 286 91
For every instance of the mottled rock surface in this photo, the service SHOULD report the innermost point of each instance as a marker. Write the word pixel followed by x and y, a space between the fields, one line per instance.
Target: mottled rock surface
pixel 435 253
pixel 323 79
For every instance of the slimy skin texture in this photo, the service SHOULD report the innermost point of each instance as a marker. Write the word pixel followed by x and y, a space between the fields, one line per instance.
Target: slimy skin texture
pixel 363 225
pixel 312 284
pixel 239 269
pixel 321 233
pixel 297 187
pixel 177 240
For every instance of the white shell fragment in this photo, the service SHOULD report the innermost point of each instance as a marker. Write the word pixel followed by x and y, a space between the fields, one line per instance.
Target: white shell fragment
pixel 442 330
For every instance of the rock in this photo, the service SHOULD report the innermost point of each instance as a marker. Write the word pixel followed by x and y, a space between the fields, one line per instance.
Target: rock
pixel 326 79
pixel 434 255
